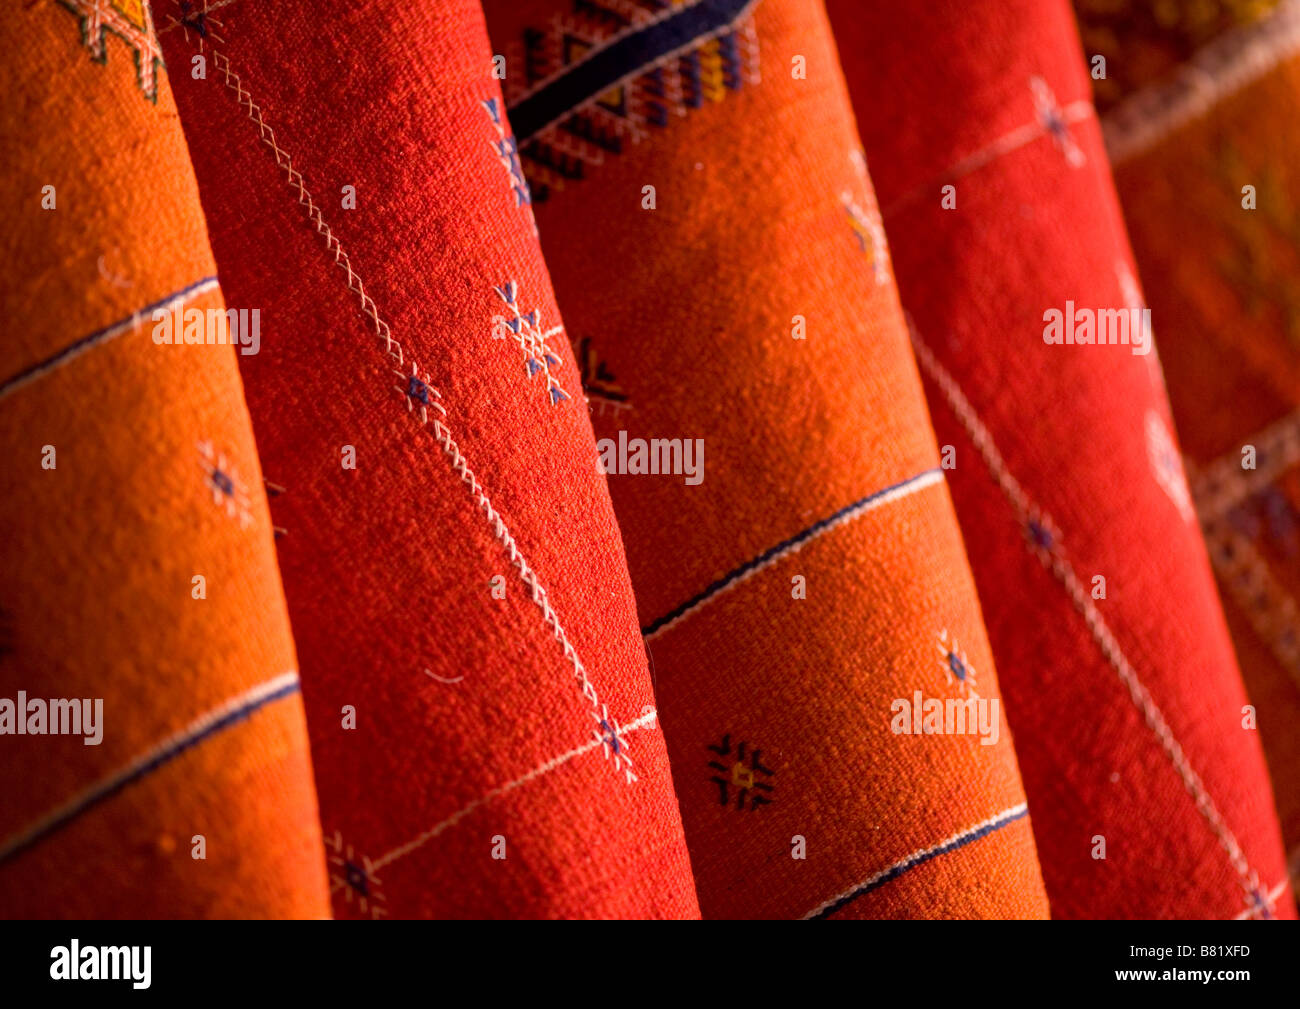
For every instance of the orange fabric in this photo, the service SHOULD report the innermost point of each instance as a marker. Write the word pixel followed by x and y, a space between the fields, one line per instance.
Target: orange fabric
pixel 155 480
pixel 691 309
pixel 1223 282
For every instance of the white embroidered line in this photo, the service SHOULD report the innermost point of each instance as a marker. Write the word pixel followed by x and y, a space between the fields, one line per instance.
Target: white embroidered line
pixel 102 336
pixel 1020 137
pixel 957 840
pixel 442 434
pixel 1215 73
pixel 748 35
pixel 1223 484
pixel 415 388
pixel 793 545
pixel 1273 895
pixel 1054 560
pixel 230 711
pixel 500 790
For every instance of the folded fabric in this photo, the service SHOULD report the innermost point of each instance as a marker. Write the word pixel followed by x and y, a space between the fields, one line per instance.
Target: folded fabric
pixel 153 754
pixel 365 582
pixel 714 244
pixel 1204 163
pixel 1149 795
pixel 481 714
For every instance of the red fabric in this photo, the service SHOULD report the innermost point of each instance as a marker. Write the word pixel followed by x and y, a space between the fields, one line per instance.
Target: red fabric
pixel 388 567
pixel 1065 467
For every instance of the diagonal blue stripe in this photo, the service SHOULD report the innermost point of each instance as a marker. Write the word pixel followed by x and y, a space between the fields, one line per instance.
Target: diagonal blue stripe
pixel 798 538
pixel 86 342
pixel 606 67
pixel 115 785
pixel 911 863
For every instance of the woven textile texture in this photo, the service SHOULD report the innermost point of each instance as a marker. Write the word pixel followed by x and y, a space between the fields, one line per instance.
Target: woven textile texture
pixel 1120 678
pixel 650 459
pixel 715 246
pixel 1205 169
pixel 142 611
pixel 480 709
